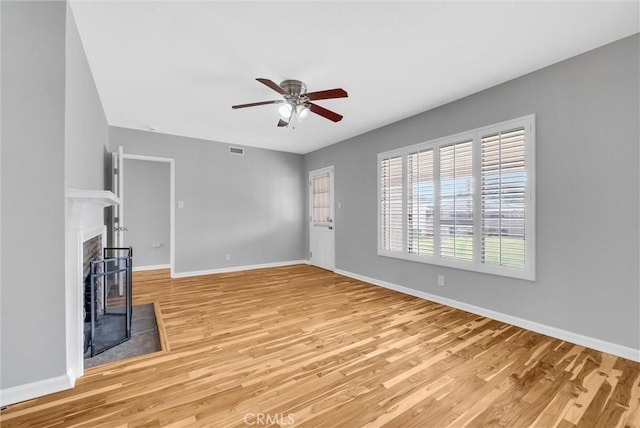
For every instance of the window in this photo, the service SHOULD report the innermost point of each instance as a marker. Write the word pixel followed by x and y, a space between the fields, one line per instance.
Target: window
pixel 420 203
pixel 391 203
pixel 465 201
pixel 321 199
pixel 503 191
pixel 456 201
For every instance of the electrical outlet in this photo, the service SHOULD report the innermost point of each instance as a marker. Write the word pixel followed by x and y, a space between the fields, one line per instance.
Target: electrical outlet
pixel 180 204
pixel 441 280
pixel 227 257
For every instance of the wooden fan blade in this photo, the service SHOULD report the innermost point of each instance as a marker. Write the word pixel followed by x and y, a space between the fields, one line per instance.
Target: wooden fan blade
pixel 328 94
pixel 273 85
pixel 328 114
pixel 260 103
pixel 282 123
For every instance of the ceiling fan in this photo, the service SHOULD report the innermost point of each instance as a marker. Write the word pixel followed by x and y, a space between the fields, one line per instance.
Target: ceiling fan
pixel 296 101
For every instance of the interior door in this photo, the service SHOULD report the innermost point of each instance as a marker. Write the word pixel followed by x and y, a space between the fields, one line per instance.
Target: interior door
pixel 321 219
pixel 117 229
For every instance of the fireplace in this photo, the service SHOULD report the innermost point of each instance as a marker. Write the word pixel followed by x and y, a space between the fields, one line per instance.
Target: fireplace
pixel 86 230
pixel 91 251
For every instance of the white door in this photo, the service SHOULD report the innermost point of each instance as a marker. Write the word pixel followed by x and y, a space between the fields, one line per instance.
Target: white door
pixel 321 215
pixel 118 228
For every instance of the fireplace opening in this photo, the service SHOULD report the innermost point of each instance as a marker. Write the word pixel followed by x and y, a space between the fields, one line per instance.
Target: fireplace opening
pixel 107 298
pixel 91 250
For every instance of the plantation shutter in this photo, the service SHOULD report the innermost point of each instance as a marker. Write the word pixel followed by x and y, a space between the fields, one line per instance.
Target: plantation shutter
pixel 503 180
pixel 391 204
pixel 420 193
pixel 456 201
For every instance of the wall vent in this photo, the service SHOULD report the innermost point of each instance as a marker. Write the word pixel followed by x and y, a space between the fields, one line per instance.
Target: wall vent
pixel 236 150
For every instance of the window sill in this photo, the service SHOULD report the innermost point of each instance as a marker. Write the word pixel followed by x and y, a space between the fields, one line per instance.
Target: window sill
pixel 527 274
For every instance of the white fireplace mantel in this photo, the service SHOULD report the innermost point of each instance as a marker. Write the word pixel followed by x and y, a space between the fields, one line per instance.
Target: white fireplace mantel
pixel 104 197
pixel 87 207
pixel 101 197
pixel 97 198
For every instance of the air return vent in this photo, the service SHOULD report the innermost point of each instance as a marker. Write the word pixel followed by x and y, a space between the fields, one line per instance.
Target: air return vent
pixel 236 150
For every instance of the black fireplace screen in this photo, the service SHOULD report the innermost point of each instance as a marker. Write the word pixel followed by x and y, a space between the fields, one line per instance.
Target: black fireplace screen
pixel 108 301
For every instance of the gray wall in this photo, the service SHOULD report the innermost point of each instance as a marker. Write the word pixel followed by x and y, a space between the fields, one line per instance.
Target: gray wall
pixel 251 206
pixel 587 205
pixel 33 192
pixel 86 128
pixel 146 198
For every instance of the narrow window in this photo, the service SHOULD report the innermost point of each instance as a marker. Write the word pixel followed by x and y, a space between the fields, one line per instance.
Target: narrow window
pixel 391 204
pixel 321 199
pixel 420 203
pixel 456 201
pixel 503 179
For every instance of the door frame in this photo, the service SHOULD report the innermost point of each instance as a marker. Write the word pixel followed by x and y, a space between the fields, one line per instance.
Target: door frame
pixel 332 212
pixel 172 206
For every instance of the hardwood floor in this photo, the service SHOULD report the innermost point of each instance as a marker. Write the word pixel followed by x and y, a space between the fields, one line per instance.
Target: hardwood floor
pixel 300 346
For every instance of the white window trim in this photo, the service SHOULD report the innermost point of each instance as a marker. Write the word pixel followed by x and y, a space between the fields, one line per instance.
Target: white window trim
pixel 528 272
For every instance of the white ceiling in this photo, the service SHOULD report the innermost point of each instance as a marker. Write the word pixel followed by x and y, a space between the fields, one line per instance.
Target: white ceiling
pixel 180 65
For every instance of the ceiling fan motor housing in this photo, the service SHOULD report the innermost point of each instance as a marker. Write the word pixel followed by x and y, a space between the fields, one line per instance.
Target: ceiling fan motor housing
pixel 294 88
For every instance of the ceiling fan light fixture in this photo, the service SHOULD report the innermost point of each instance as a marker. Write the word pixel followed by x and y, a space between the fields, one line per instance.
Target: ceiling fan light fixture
pixel 303 111
pixel 285 111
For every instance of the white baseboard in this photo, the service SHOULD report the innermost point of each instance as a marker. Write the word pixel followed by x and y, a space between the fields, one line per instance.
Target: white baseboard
pixel 578 339
pixel 236 268
pixel 36 389
pixel 149 267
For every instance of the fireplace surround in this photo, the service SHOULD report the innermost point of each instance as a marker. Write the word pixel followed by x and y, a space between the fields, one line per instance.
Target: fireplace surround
pixel 86 220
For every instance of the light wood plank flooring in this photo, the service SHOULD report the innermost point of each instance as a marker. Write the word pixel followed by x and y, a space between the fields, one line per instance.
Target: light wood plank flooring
pixel 300 346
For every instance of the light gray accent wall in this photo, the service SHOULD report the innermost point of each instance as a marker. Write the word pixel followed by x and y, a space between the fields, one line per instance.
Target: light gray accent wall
pixel 86 127
pixel 587 197
pixel 146 199
pixel 32 315
pixel 251 206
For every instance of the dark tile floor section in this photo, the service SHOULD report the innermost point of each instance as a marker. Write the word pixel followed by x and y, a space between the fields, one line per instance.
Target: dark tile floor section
pixel 144 339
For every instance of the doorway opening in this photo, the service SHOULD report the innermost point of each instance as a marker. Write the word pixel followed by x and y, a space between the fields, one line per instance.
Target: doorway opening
pixel 128 218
